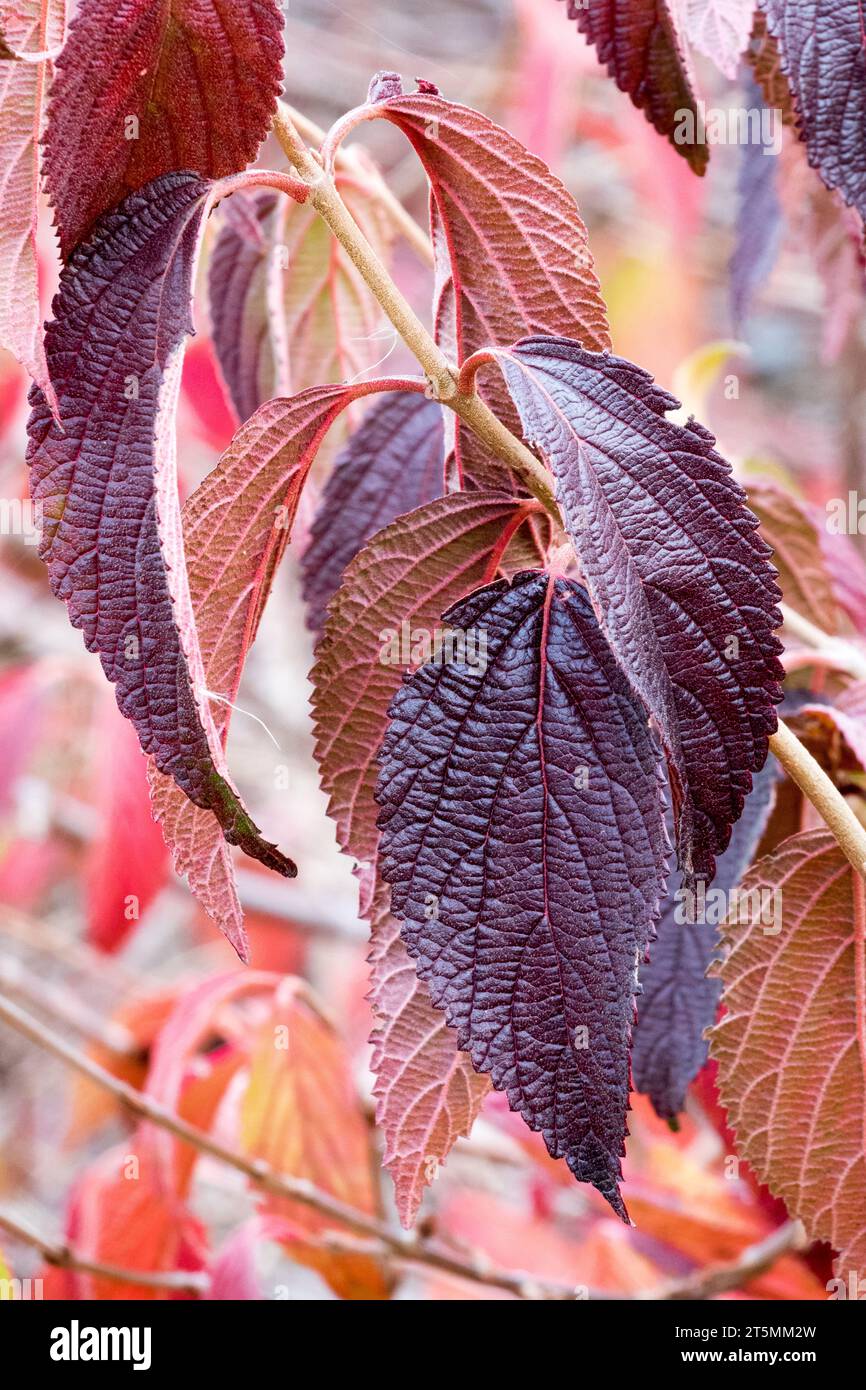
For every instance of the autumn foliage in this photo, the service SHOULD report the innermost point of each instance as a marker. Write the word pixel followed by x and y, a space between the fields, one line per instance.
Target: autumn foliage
pixel 586 686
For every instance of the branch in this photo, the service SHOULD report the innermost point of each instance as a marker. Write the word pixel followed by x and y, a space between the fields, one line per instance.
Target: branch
pixel 348 159
pixel 441 375
pixel 408 1249
pixel 376 1239
pixel 62 1257
pixel 814 783
pixel 754 1260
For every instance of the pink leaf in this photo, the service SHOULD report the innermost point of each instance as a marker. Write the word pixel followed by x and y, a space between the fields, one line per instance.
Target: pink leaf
pixel 236 526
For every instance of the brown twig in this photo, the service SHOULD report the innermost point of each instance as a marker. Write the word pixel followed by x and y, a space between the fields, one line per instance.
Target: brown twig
pixel 63 1257
pixel 376 1239
pixel 440 373
pixel 755 1260
pixel 348 159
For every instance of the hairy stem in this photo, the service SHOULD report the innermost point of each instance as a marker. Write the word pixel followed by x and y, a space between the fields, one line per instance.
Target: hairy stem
pixel 824 796
pixel 439 372
pixel 348 159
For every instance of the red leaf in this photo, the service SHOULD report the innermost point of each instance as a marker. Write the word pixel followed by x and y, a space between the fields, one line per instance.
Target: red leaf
pixel 791 1046
pixel 104 478
pixel 427 1095
pixel 522 833
pixel 637 40
pixel 127 862
pixel 151 86
pixel 120 1215
pixel 400 581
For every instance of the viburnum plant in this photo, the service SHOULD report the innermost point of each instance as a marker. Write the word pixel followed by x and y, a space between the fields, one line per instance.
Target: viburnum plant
pixel 546 675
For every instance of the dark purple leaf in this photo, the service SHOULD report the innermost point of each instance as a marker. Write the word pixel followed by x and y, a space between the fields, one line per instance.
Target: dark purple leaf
pixel 677 1002
pixel 104 478
pixel 637 41
pixel 522 835
pixel 676 568
pixel 392 464
pixel 824 57
pixel 239 300
pixel 759 219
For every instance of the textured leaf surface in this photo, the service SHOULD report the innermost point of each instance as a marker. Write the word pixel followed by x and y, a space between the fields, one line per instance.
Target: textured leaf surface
pixel 677 1002
pixel 288 307
pixel 721 30
pixel 427 1093
pixel 522 835
pixel 301 1115
pixel 792 530
pixel 392 464
pixel 30 27
pixel 822 51
pixel 198 78
pixel 511 252
pixel 791 1048
pixel 236 526
pixel 678 574
pixel 104 478
pixel 408 573
pixel 638 42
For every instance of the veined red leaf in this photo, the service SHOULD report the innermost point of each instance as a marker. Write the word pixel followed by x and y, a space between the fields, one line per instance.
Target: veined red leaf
pixel 638 42
pixel 119 1214
pixel 288 307
pixel 145 87
pixel 522 833
pixel 127 863
pixel 677 571
pixel 427 1093
pixel 30 28
pixel 206 1010
pixel 384 617
pixel 822 51
pixel 103 477
pixel 391 464
pixel 677 1002
pixel 511 252
pixel 721 30
pixel 791 1048
pixel 236 526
